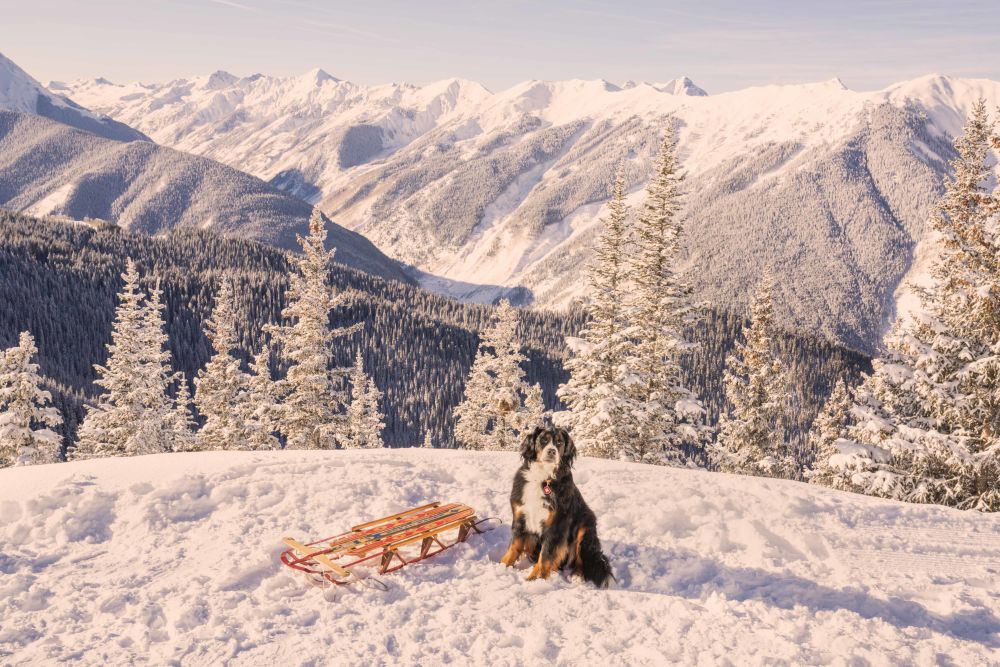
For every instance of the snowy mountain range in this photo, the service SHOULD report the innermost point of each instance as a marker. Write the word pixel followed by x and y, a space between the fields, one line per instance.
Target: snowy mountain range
pixel 828 186
pixel 85 166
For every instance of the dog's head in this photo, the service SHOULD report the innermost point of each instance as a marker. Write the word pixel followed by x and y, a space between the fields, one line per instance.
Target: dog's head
pixel 549 445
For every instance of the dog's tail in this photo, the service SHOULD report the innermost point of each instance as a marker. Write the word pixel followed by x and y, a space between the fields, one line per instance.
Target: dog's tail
pixel 596 568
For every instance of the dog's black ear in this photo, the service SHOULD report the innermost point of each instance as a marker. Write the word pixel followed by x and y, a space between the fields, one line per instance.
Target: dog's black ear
pixel 528 446
pixel 569 448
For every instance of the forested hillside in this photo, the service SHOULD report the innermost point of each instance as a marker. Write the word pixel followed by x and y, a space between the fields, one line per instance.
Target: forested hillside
pixel 59 281
pixel 47 168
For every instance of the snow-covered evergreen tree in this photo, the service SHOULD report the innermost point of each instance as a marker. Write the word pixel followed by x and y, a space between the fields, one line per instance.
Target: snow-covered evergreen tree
pixel 533 413
pixel 166 424
pixel 26 418
pixel 492 414
pixel 260 409
pixel 928 418
pixel 183 425
pixel 428 442
pixel 601 409
pixel 660 309
pixel 365 419
pixel 135 414
pixel 311 413
pixel 827 436
pixel 109 426
pixel 751 437
pixel 222 387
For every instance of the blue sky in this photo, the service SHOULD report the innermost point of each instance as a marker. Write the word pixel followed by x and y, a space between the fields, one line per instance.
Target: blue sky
pixel 721 44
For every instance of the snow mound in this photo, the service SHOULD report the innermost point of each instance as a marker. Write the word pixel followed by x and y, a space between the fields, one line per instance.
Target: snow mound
pixel 175 558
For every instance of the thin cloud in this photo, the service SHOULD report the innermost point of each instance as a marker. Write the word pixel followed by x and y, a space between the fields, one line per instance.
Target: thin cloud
pixel 236 5
pixel 350 30
pixel 704 18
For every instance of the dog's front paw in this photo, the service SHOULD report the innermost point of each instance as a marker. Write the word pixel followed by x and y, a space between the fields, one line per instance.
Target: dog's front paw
pixel 510 558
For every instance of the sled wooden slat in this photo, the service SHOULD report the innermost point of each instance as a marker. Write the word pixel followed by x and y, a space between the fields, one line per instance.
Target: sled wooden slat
pixel 442 529
pixel 356 538
pixel 387 542
pixel 395 534
pixel 362 526
pixel 317 555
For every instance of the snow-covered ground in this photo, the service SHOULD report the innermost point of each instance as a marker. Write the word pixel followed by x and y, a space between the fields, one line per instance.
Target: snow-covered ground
pixel 174 559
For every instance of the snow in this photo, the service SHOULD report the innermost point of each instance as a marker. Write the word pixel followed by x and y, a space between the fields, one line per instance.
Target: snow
pixel 720 126
pixel 679 86
pixel 173 558
pixel 20 92
pixel 53 202
pixel 266 125
pixel 918 276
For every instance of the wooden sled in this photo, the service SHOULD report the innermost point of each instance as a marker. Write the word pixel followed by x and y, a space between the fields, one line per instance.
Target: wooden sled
pixel 394 541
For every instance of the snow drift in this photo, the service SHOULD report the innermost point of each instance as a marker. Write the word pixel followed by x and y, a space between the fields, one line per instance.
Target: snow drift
pixel 174 558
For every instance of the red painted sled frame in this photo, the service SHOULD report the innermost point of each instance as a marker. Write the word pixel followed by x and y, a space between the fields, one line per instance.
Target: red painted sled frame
pixel 331 559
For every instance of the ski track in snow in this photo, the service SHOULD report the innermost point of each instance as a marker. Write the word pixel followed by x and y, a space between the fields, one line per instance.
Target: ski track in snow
pixel 173 559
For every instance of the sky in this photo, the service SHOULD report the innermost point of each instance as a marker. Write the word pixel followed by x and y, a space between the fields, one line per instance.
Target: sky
pixel 721 44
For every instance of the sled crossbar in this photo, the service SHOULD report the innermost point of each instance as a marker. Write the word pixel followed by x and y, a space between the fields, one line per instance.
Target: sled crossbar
pixel 390 540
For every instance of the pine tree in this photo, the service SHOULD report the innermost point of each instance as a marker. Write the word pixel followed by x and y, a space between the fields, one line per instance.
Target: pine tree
pixel 260 409
pixel 222 387
pixel 109 426
pixel 826 438
pixel 751 439
pixel 365 419
pixel 428 442
pixel 26 418
pixel 183 425
pixel 492 414
pixel 311 413
pixel 135 415
pixel 671 416
pixel 533 413
pixel 928 418
pixel 165 423
pixel 600 406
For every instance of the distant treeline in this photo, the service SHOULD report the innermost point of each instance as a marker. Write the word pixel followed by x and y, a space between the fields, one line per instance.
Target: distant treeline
pixel 59 281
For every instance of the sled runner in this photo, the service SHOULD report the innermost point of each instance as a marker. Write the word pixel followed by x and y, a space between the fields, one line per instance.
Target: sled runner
pixel 393 542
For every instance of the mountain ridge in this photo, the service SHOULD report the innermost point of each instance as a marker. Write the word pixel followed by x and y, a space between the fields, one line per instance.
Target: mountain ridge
pixel 19 91
pixel 506 189
pixel 48 168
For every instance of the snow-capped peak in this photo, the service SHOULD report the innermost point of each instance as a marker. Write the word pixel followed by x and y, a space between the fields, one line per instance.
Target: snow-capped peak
pixel 835 82
pixel 317 77
pixel 219 79
pixel 680 86
pixel 19 91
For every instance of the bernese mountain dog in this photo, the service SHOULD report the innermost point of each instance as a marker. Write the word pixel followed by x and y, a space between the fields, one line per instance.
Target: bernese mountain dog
pixel 552 524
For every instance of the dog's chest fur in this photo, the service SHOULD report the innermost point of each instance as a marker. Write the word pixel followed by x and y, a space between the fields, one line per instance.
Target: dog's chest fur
pixel 536 505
